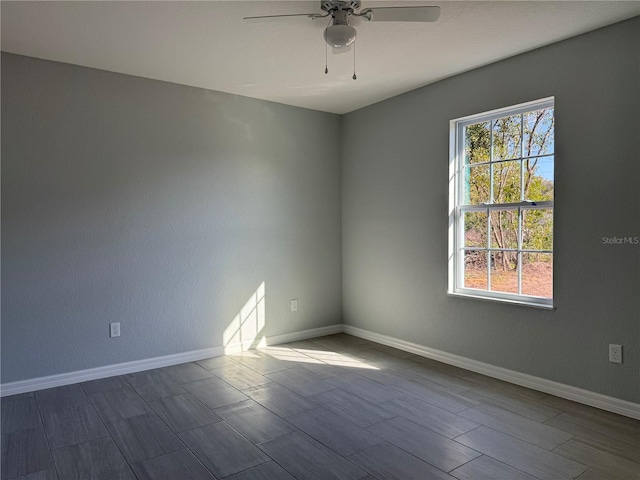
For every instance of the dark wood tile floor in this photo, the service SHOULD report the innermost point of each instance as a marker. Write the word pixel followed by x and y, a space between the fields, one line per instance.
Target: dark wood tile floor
pixel 335 407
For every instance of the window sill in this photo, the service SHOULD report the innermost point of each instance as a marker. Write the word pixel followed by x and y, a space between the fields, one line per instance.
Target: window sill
pixel 522 303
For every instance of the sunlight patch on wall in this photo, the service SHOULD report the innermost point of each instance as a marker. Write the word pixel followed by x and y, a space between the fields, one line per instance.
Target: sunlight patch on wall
pixel 246 330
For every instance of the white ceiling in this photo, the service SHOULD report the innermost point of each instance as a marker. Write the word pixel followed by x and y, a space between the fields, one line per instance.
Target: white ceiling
pixel 208 45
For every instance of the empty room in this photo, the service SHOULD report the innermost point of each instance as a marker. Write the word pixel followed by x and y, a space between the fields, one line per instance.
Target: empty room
pixel 316 240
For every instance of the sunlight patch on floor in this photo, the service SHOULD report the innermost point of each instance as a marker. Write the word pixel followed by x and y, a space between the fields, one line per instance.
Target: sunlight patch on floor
pixel 305 355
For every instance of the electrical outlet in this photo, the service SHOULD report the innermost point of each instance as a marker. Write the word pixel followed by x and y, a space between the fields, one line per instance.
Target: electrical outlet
pixel 615 353
pixel 114 329
pixel 294 305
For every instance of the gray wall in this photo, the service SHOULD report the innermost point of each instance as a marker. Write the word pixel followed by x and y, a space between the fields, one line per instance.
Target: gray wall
pixel 394 215
pixel 164 207
pixel 160 206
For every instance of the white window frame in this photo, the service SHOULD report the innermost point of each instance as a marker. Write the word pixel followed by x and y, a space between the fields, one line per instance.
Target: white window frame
pixel 456 192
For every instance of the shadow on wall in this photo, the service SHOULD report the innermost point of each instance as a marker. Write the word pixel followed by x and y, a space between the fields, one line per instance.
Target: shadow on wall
pixel 246 330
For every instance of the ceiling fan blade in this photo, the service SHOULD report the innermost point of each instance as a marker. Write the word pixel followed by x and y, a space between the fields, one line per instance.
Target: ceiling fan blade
pixel 401 14
pixel 312 16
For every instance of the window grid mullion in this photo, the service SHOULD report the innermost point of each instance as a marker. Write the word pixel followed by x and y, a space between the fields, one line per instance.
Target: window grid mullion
pixel 543 205
pixel 505 160
pixel 491 200
pixel 487 251
pixel 521 157
pixel 491 125
pixel 519 255
pixel 524 250
pixel 522 198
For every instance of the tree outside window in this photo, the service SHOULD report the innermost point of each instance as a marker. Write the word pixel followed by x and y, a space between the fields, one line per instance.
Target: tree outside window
pixel 503 198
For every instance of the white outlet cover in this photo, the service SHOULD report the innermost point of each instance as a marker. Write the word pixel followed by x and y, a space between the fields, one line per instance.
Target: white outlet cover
pixel 294 305
pixel 114 329
pixel 615 353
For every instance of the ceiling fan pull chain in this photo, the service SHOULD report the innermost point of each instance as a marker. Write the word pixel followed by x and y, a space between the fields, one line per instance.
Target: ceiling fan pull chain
pixel 354 61
pixel 326 67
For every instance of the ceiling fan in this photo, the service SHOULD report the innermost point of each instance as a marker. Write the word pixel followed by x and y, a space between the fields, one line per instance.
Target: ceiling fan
pixel 339 34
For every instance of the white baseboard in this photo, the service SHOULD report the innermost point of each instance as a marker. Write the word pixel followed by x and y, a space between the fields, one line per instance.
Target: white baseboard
pixel 598 400
pixel 59 380
pixel 304 334
pixel 611 404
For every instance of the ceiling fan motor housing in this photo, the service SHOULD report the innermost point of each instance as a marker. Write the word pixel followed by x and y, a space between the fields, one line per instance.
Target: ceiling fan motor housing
pixel 331 6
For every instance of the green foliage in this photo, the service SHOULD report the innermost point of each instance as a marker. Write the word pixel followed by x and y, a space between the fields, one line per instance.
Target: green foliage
pixel 537 230
pixel 508 143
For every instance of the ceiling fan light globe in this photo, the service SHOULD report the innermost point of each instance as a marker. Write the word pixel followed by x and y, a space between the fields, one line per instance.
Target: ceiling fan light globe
pixel 339 36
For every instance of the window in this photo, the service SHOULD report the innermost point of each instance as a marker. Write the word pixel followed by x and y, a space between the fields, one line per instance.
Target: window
pixel 501 205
